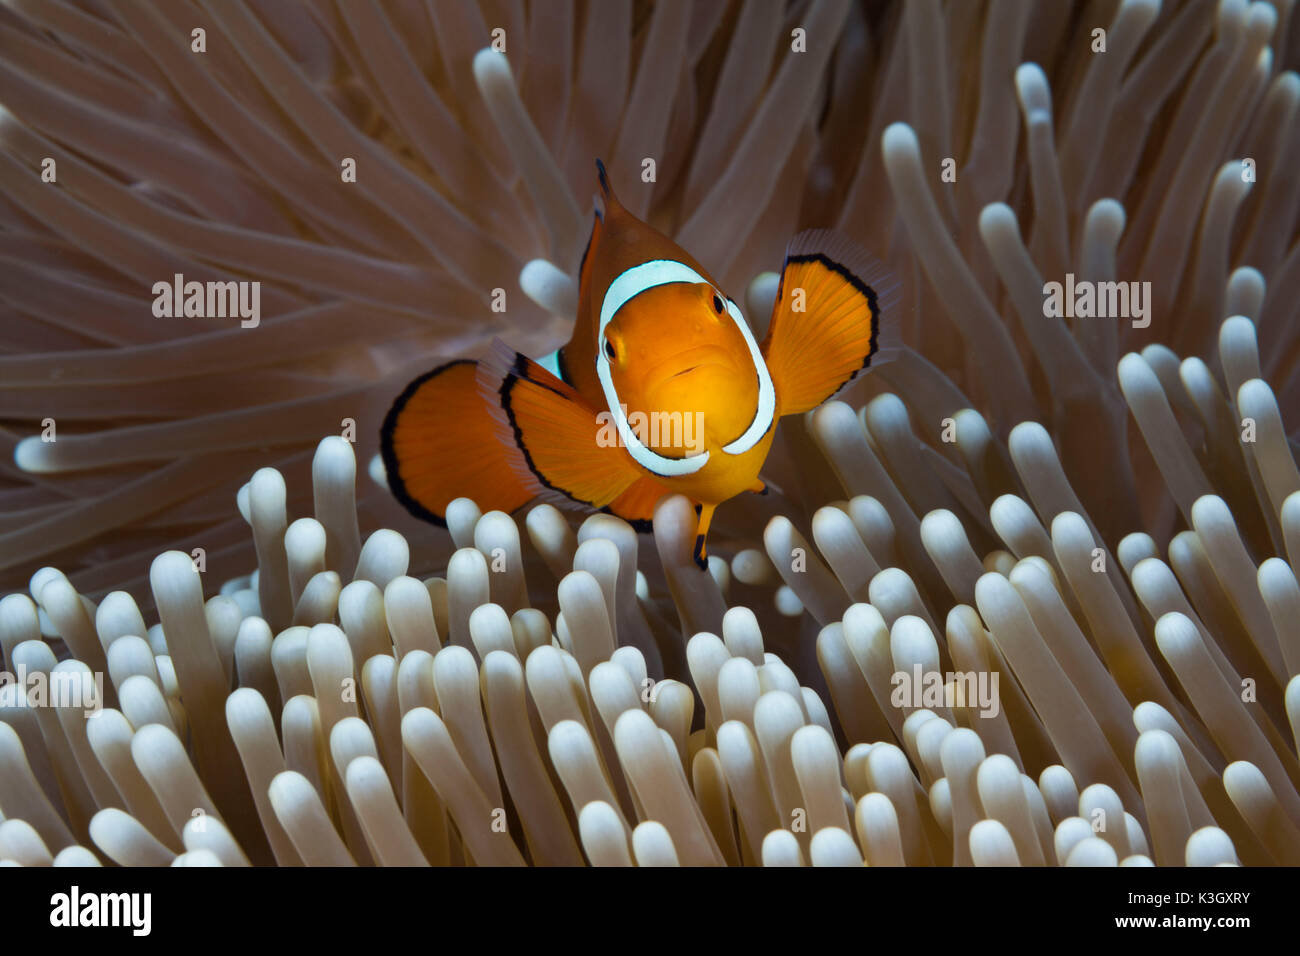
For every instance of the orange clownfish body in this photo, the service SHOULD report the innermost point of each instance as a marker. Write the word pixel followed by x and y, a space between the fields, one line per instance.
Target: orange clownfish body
pixel 661 390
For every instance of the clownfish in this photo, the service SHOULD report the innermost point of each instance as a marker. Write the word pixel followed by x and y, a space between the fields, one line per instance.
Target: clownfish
pixel 662 388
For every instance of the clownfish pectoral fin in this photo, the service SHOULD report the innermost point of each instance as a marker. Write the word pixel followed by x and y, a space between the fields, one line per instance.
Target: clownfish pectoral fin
pixel 556 443
pixel 438 444
pixel 832 318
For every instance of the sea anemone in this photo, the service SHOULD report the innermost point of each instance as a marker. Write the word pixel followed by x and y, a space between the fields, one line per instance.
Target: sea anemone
pixel 977 510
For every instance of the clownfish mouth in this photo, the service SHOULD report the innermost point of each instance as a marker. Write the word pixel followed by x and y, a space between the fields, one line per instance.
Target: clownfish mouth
pixel 684 371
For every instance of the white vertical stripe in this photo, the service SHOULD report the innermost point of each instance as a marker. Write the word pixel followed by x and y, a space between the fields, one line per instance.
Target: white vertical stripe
pixel 766 411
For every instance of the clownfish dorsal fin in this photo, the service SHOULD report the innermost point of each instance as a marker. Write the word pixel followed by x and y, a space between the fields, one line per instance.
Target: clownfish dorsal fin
pixel 619 241
pixel 635 241
pixel 588 257
pixel 607 196
pixel 602 178
pixel 834 315
pixel 576 360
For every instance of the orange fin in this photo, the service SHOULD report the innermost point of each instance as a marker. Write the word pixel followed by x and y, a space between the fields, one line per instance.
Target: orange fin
pixel 438 443
pixel 554 439
pixel 636 505
pixel 848 303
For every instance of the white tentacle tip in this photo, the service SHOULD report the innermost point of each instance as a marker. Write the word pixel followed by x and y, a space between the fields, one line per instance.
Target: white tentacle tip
pixel 899 138
pixel 1033 90
pixel 1255 395
pixel 378 474
pixel 1028 432
pixel 1108 216
pixel 491 67
pixel 997 218
pixel 1236 328
pixel 32 456
pixel 334 450
pixel 550 287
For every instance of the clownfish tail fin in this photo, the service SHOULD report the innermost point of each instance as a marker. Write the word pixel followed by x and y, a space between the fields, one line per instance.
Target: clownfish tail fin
pixel 438 443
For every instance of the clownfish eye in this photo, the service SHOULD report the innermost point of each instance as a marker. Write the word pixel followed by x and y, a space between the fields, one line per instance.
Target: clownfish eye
pixel 717 303
pixel 609 349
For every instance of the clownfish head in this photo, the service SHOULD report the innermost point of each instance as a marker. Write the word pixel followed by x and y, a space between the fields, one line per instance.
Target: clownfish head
pixel 677 349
